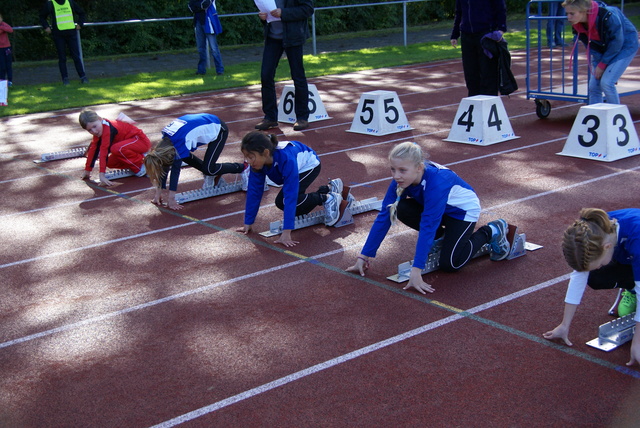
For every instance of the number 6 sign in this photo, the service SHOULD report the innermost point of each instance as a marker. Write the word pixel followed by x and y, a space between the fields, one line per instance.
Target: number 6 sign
pixel 286 106
pixel 603 132
pixel 379 113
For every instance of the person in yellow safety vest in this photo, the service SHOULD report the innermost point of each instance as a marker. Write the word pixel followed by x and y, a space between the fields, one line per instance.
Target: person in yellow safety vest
pixel 63 30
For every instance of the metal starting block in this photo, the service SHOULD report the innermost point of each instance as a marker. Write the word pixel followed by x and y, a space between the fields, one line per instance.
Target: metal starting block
pixel 64 154
pixel 208 192
pixel 317 217
pixel 114 174
pixel 517 241
pixel 614 333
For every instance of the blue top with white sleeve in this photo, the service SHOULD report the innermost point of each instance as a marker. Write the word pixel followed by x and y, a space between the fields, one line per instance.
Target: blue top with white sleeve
pixel 441 192
pixel 290 159
pixel 627 252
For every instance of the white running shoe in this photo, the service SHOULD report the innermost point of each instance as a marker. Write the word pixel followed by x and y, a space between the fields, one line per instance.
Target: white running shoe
pixel 142 172
pixel 332 208
pixel 245 176
pixel 336 186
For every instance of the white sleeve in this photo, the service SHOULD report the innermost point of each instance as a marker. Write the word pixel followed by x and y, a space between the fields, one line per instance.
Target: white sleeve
pixel 577 285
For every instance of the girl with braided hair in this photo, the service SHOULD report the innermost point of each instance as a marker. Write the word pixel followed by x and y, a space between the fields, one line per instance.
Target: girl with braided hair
pixel 604 251
pixel 433 200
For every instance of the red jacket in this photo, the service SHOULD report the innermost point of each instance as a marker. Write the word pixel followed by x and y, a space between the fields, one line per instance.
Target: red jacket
pixel 5 29
pixel 112 132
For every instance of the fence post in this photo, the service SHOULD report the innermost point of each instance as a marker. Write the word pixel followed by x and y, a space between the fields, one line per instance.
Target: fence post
pixel 404 22
pixel 313 33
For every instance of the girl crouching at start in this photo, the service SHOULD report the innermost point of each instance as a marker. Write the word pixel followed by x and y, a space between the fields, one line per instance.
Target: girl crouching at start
pixel 179 140
pixel 117 143
pixel 603 249
pixel 437 203
pixel 294 166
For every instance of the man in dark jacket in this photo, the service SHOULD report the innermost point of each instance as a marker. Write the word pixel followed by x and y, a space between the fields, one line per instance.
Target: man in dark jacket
pixel 63 30
pixel 473 20
pixel 285 30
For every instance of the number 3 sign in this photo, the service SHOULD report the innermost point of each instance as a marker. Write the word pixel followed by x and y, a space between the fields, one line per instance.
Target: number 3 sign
pixel 379 113
pixel 603 132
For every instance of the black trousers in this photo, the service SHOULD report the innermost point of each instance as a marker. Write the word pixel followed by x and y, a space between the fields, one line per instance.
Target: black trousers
pixel 459 243
pixel 306 201
pixel 613 275
pixel 480 71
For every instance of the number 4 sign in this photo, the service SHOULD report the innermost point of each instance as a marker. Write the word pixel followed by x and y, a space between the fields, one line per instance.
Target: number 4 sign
pixel 286 106
pixel 379 113
pixel 603 132
pixel 481 120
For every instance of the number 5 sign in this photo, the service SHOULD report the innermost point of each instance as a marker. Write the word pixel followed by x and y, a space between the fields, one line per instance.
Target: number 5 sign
pixel 603 132
pixel 481 120
pixel 287 104
pixel 379 113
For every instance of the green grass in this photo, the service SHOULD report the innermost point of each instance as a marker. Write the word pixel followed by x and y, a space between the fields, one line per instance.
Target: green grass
pixel 46 97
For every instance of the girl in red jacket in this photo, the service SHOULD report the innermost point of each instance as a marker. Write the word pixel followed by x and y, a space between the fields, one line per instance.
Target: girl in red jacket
pixel 118 144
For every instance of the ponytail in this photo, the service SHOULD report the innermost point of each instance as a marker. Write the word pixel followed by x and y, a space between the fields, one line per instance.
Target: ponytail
pixel 393 208
pixel 159 158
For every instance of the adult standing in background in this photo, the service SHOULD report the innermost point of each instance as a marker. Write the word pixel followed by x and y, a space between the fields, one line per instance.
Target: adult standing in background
pixel 64 30
pixel 555 26
pixel 287 33
pixel 206 25
pixel 473 20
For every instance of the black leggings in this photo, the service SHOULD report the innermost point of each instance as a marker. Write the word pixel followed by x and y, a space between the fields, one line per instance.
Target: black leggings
pixel 306 201
pixel 209 165
pixel 613 275
pixel 460 242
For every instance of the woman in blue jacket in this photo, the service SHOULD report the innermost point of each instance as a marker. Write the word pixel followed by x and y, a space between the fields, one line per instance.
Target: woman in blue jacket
pixel 436 202
pixel 611 41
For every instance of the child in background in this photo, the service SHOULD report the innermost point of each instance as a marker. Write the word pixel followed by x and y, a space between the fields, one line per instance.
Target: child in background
pixel 611 41
pixel 437 203
pixel 6 69
pixel 604 251
pixel 179 140
pixel 117 143
pixel 294 166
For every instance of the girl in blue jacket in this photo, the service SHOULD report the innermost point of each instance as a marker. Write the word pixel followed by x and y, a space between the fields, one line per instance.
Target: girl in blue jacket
pixel 611 41
pixel 603 249
pixel 294 166
pixel 179 140
pixel 436 202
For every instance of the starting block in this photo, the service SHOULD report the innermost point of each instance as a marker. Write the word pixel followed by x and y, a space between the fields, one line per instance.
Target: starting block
pixel 518 248
pixel 379 113
pixel 351 208
pixel 64 154
pixel 481 120
pixel 115 174
pixel 286 106
pixel 614 333
pixel 209 191
pixel 603 132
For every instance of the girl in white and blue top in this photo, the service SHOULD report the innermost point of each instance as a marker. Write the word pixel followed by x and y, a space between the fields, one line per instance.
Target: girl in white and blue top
pixel 604 251
pixel 180 139
pixel 436 202
pixel 292 165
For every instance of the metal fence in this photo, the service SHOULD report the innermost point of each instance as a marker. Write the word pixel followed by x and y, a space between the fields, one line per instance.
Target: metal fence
pixel 318 12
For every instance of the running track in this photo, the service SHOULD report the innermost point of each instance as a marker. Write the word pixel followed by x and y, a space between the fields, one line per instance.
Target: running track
pixel 115 313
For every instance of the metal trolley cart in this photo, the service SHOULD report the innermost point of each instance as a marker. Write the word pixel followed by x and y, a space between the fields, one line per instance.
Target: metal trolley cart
pixel 550 76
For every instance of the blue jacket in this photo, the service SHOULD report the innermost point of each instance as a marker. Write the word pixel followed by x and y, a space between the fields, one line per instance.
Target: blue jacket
pixel 441 192
pixel 618 37
pixel 204 12
pixel 290 159
pixel 627 250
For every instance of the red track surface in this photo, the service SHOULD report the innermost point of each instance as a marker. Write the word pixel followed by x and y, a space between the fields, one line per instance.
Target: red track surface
pixel 115 313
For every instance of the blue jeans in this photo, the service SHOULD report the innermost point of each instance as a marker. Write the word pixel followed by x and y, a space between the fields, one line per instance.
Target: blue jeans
pixel 6 70
pixel 271 55
pixel 555 26
pixel 607 83
pixel 201 43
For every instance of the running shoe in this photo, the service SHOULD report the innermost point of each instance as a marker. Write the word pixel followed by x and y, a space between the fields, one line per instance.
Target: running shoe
pixel 332 208
pixel 336 186
pixel 627 304
pixel 142 172
pixel 245 176
pixel 499 244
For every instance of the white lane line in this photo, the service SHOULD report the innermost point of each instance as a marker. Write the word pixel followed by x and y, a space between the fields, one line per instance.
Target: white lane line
pixel 350 356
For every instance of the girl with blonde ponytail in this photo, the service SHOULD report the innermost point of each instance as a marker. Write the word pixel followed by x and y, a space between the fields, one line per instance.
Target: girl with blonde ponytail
pixel 604 251
pixel 437 203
